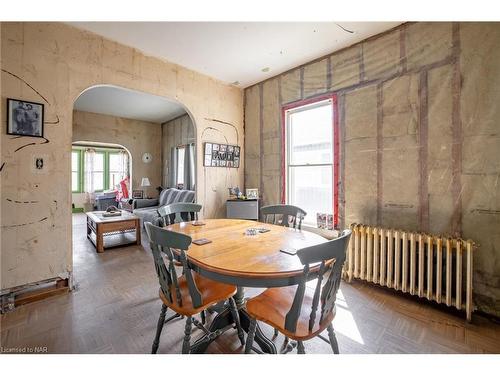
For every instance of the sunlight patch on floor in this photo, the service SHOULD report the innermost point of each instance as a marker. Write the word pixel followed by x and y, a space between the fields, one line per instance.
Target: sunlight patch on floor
pixel 344 322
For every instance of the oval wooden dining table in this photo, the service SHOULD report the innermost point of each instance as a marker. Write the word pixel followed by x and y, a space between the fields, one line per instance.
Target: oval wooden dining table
pixel 236 258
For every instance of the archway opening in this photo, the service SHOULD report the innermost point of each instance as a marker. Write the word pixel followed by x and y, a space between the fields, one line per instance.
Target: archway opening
pixel 113 126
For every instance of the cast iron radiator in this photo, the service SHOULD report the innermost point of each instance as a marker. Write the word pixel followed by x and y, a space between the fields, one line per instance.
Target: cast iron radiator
pixel 435 267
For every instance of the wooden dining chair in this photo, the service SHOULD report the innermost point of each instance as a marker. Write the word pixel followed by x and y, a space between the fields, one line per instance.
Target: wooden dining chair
pixel 293 310
pixel 283 214
pixel 189 294
pixel 177 212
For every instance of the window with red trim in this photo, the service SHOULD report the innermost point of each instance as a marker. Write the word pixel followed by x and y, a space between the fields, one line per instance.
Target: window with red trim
pixel 310 157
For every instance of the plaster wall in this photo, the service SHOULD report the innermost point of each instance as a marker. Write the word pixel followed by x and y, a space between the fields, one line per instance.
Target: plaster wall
pixel 419 134
pixel 52 63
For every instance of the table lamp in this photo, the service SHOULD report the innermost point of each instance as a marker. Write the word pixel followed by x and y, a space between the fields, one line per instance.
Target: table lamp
pixel 145 183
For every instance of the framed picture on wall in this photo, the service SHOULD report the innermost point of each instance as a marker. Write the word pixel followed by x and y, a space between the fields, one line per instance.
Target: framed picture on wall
pixel 24 118
pixel 221 155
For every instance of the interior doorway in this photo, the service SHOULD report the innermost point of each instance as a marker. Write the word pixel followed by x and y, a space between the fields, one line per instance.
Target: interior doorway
pixel 126 144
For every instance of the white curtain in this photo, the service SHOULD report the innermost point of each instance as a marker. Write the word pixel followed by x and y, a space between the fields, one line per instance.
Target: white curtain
pixel 189 173
pixel 173 167
pixel 89 175
pixel 124 164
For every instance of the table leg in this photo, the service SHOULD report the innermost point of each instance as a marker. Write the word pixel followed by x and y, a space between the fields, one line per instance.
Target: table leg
pixel 239 297
pixel 89 228
pixel 99 239
pixel 224 318
pixel 138 232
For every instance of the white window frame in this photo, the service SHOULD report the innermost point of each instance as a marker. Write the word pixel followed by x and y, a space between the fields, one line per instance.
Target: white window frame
pixel 286 164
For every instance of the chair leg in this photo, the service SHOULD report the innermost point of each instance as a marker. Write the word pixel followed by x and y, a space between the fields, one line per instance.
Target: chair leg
pixel 187 336
pixel 300 347
pixel 276 333
pixel 236 318
pixel 203 317
pixel 333 339
pixel 251 335
pixel 161 321
pixel 287 346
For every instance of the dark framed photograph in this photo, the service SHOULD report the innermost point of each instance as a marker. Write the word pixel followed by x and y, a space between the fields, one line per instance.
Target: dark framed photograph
pixel 24 118
pixel 137 194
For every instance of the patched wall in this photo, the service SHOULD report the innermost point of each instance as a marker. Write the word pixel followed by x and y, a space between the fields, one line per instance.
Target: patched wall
pixel 52 63
pixel 419 134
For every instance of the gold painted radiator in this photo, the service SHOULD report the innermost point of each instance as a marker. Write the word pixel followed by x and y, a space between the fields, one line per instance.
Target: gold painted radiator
pixel 434 267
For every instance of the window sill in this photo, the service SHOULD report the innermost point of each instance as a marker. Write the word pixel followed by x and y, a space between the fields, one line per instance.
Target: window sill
pixel 328 234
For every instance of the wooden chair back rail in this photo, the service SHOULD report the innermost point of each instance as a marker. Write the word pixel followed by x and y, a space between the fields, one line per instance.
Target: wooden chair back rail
pixel 163 241
pixel 177 212
pixel 324 253
pixel 291 216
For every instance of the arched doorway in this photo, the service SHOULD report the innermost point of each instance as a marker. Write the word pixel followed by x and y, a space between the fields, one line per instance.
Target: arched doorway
pixel 148 127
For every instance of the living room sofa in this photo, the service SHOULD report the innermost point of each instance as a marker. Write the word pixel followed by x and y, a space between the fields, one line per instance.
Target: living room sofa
pixel 147 209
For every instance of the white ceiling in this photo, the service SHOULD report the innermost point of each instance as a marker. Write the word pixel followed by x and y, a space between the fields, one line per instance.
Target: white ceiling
pixel 121 102
pixel 237 51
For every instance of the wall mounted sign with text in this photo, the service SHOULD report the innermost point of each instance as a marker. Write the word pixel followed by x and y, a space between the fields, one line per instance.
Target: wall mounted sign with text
pixel 219 155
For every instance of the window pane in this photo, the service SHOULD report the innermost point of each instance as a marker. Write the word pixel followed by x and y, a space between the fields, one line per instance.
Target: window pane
pixel 99 162
pixel 74 181
pixel 98 180
pixel 311 189
pixel 74 161
pixel 115 162
pixel 114 179
pixel 180 166
pixel 311 135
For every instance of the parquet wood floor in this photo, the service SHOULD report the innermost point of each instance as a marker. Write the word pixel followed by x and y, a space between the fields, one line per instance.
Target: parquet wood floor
pixel 115 306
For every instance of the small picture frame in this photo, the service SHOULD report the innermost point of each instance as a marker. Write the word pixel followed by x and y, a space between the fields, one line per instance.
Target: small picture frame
pixel 321 220
pixel 137 194
pixel 252 193
pixel 24 118
pixel 329 224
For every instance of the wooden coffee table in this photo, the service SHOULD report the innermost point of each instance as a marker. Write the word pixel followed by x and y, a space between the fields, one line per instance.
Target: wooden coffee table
pixel 109 226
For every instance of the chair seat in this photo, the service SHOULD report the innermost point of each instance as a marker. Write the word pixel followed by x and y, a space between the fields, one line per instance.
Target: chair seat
pixel 272 306
pixel 211 292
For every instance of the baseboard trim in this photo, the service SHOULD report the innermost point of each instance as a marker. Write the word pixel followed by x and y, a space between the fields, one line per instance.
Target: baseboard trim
pixel 24 294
